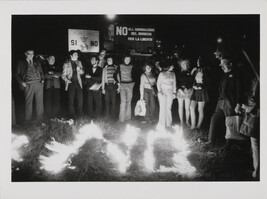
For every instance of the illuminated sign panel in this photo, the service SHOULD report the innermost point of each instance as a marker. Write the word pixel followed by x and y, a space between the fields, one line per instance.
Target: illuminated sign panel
pixel 140 39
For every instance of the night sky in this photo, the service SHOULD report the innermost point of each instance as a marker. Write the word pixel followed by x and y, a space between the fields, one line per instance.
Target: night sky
pixel 198 33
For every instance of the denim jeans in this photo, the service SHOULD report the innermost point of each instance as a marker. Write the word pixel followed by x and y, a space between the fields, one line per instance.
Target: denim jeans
pixel 126 95
pixel 150 104
pixel 75 91
pixel 110 100
pixel 52 102
pixel 94 100
pixel 165 106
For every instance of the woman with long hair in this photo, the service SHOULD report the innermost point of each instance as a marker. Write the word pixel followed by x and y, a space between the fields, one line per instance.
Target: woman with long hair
pixel 147 81
pixel 184 92
pixel 200 94
pixel 166 85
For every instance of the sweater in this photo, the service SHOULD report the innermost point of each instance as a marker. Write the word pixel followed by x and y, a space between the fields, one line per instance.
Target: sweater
pixel 166 81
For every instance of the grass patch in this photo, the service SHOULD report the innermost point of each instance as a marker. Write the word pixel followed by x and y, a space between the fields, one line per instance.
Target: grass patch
pixel 91 163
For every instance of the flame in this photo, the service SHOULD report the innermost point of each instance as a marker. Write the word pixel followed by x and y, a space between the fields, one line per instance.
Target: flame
pixel 130 136
pixel 119 157
pixel 180 162
pixel 61 153
pixel 122 159
pixel 17 142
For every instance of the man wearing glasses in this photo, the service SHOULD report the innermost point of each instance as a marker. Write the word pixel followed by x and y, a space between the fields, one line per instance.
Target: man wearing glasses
pixel 30 78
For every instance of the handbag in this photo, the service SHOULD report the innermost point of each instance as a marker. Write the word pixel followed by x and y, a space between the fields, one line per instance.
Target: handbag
pixel 233 125
pixel 140 108
pixel 153 87
pixel 250 126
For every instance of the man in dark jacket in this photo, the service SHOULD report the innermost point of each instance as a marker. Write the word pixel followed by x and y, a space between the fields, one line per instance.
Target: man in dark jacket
pixel 52 74
pixel 93 80
pixel 30 77
pixel 229 102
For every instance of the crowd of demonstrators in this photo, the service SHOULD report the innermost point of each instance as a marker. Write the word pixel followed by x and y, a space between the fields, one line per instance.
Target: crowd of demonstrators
pixel 104 82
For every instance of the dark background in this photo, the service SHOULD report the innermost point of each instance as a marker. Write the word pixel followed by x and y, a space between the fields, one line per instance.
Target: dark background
pixel 198 33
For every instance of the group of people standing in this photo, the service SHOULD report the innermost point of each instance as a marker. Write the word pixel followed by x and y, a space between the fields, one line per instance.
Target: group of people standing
pixel 188 85
pixel 159 85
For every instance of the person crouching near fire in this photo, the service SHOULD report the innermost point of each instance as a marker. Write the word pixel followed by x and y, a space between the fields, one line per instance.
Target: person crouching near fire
pixel 72 72
pixel 110 89
pixel 166 85
pixel 124 78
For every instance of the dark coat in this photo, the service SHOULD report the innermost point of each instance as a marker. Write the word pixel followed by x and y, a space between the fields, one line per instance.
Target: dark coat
pixel 50 80
pixel 22 68
pixel 95 77
pixel 233 91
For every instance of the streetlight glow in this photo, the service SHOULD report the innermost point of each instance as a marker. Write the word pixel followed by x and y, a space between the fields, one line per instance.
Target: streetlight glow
pixel 219 40
pixel 111 16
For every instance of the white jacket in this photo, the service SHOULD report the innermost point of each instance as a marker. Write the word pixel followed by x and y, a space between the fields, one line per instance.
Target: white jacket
pixel 67 73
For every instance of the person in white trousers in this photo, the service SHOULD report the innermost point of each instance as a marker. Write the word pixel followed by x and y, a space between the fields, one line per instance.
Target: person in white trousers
pixel 166 93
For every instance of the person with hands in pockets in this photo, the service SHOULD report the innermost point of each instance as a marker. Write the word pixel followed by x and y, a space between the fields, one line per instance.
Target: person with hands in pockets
pixel 30 77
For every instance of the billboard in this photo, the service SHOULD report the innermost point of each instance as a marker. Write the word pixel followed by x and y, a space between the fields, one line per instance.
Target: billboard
pixel 139 39
pixel 86 41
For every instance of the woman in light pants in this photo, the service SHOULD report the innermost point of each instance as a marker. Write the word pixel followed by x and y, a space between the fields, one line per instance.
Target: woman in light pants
pixel 166 93
pixel 255 155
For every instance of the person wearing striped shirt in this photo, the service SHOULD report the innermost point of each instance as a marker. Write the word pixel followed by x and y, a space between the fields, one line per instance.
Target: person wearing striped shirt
pixel 109 89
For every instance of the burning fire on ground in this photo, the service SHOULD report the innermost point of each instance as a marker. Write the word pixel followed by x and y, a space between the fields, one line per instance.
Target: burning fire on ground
pixel 61 155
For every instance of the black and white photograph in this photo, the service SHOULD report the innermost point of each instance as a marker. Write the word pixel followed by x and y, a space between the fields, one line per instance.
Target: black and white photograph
pixel 168 99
